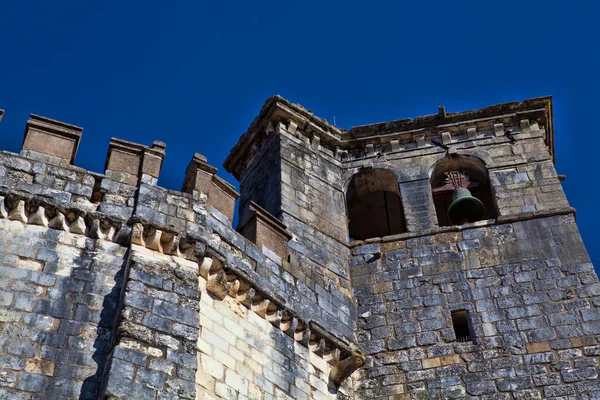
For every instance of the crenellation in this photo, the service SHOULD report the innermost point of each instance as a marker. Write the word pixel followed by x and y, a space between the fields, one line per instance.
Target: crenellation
pixel 55 141
pixel 201 177
pixel 127 162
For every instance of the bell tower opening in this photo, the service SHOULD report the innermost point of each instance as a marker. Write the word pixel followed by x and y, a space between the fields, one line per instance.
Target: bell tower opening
pixel 461 191
pixel 374 205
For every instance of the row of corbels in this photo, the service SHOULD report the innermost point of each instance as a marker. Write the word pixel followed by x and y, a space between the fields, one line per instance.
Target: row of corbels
pixel 163 241
pixel 222 283
pixel 445 138
pixel 49 216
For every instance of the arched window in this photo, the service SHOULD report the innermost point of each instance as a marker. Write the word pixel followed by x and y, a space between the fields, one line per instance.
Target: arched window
pixel 461 171
pixel 374 205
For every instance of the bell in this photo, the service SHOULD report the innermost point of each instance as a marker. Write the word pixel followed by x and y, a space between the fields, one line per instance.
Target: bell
pixel 464 207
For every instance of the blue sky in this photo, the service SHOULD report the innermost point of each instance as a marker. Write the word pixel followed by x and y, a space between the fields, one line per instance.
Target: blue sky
pixel 194 74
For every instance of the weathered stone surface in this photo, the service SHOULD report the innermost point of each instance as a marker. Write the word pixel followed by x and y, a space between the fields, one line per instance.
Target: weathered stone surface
pixel 109 282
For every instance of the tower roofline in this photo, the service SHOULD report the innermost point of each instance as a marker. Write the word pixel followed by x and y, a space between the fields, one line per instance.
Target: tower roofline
pixel 279 110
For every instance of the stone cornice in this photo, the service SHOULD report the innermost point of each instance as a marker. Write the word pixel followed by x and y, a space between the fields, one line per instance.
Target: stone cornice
pixel 280 114
pixel 66 217
pixel 278 110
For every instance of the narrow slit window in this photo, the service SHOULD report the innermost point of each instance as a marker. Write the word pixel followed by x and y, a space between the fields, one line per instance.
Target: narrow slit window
pixel 460 322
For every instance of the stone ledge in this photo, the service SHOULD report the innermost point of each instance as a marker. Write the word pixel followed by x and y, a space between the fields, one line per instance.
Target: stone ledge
pixel 525 216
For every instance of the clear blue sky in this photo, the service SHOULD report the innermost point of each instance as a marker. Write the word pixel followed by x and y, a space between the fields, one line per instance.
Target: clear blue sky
pixel 194 74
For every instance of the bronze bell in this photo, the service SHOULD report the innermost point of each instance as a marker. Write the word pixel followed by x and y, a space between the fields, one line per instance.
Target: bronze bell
pixel 464 207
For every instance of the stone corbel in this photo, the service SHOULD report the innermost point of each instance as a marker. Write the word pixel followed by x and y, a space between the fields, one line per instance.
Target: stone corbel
pixel 218 285
pixel 78 225
pixel 446 137
pixel 315 141
pixel 472 132
pixel 292 127
pixel 341 154
pixel 17 212
pixel 39 217
pixel 260 307
pixel 346 367
pixel 498 129
pixel 289 326
pixel 59 222
pixel 245 297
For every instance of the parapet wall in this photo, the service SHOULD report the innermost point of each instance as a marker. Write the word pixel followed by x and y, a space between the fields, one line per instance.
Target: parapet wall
pixel 106 279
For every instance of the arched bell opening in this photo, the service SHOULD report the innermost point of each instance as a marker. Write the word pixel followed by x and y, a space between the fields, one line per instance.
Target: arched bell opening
pixel 374 206
pixel 461 191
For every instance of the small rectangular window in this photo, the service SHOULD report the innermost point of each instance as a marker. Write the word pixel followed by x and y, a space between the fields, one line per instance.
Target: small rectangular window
pixel 460 322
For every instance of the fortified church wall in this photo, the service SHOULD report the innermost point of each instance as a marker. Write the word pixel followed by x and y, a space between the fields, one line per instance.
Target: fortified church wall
pixel 113 287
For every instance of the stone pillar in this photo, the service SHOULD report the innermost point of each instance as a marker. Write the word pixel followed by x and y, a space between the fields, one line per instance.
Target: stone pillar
pixel 201 177
pixel 155 353
pixel 50 141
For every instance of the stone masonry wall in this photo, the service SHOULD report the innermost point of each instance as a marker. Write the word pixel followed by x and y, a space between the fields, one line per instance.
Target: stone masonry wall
pixel 262 180
pixel 291 179
pixel 59 294
pixel 154 356
pixel 243 356
pixel 532 297
pixel 313 209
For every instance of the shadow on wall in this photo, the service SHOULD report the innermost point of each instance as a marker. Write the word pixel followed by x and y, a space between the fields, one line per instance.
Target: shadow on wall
pixel 94 385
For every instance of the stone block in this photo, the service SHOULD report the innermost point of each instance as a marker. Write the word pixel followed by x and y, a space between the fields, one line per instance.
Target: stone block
pixel 31 382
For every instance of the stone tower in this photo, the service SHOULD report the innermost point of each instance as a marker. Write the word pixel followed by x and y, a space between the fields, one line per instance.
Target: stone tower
pixel 503 306
pixel 346 277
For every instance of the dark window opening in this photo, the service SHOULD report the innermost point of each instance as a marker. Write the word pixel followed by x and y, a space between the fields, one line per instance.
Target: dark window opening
pixel 374 205
pixel 460 323
pixel 466 172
